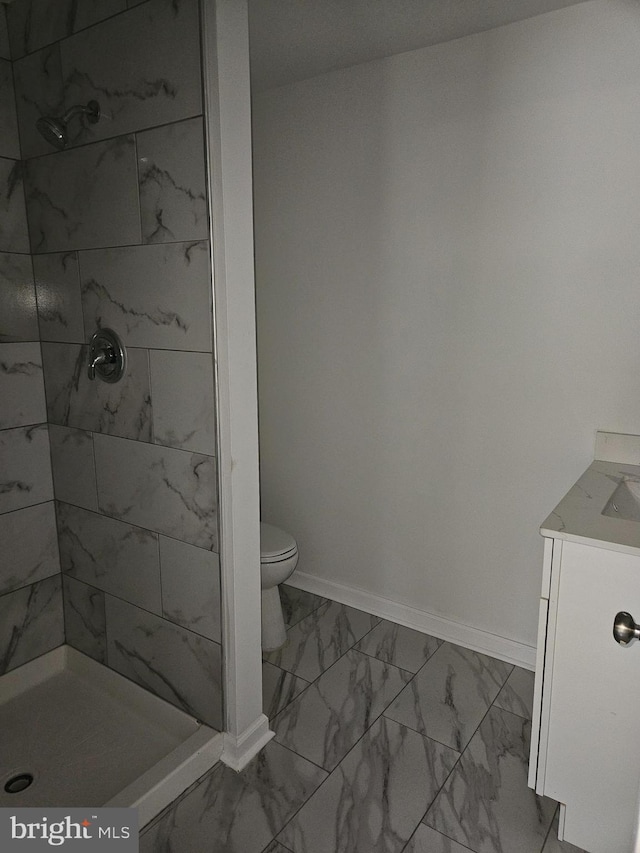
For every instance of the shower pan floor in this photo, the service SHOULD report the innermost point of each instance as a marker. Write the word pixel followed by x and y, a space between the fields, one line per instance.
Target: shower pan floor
pixel 90 737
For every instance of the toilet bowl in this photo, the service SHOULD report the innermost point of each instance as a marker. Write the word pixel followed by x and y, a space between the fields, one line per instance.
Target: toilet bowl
pixel 278 559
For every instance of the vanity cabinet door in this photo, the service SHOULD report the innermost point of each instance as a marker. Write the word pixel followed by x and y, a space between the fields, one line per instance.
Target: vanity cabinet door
pixel 593 757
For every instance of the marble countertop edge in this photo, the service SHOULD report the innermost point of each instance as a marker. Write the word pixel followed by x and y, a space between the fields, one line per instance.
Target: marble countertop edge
pixel 578 517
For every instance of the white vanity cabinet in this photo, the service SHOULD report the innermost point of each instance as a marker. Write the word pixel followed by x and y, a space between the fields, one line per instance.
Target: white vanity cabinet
pixel 585 749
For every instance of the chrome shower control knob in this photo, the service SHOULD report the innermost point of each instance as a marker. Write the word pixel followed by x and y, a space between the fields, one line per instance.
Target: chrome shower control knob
pixel 625 629
pixel 107 356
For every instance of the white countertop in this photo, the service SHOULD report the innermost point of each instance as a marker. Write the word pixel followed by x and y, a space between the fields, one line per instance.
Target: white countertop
pixel 578 517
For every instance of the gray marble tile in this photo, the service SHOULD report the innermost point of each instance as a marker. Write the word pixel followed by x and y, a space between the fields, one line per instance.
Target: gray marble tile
pixel 166 490
pixel 373 801
pixel 88 12
pixel 9 141
pixel 183 402
pixel 398 645
pixel 133 290
pixel 486 804
pixel 190 587
pixel 427 840
pixel 175 664
pixel 14 236
pixel 173 203
pixel 552 845
pixel 450 695
pixel 276 847
pixel 74 473
pixel 34 23
pixel 84 198
pixel 110 555
pixel 57 279
pixel 120 408
pixel 319 639
pixel 84 618
pixel 279 688
pixel 517 694
pixel 237 812
pixel 30 537
pixel 18 315
pixel 296 603
pixel 25 467
pixel 142 67
pixel 22 399
pixel 5 51
pixel 31 622
pixel 325 721
pixel 39 92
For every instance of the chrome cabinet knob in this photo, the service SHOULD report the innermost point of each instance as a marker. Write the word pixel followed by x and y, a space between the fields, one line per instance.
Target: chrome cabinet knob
pixel 625 629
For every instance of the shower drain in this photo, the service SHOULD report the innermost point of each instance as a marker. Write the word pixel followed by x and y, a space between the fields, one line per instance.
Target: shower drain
pixel 18 783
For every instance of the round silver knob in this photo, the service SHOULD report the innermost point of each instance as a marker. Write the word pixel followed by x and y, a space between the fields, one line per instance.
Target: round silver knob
pixel 625 629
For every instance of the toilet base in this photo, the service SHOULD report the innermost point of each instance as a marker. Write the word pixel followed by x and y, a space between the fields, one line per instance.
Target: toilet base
pixel 274 633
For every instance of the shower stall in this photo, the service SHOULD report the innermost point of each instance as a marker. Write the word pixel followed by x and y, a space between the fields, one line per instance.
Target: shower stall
pixel 110 592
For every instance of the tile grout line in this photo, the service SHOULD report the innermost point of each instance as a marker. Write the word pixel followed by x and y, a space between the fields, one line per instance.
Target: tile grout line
pixel 355 744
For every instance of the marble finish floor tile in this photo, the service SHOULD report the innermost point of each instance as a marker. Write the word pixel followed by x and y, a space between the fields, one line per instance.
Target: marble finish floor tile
pixel 228 812
pixel 374 799
pixel 296 603
pixel 279 688
pixel 398 645
pixel 276 847
pixel 450 695
pixel 365 757
pixel 485 804
pixel 318 640
pixel 517 694
pixel 325 721
pixel 427 840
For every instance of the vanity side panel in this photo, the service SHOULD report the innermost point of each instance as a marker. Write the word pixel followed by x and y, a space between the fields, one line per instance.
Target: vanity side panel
pixel 536 735
pixel 544 663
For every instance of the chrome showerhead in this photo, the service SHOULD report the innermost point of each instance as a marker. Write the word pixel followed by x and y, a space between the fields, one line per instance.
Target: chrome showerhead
pixel 54 129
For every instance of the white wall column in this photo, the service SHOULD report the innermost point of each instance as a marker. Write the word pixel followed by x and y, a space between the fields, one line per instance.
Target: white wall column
pixel 228 129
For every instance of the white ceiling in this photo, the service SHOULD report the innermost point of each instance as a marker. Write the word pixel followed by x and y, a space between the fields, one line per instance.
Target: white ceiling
pixel 295 39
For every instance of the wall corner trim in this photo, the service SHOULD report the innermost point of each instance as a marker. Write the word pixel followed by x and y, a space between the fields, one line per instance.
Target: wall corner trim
pixel 510 651
pixel 238 751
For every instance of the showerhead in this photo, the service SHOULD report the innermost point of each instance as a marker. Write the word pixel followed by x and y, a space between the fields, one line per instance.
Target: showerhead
pixel 54 129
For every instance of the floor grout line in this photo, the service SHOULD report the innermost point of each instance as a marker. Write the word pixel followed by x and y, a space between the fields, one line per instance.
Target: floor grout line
pixel 381 718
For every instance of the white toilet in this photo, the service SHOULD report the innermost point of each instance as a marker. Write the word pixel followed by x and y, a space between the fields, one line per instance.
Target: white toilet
pixel 278 559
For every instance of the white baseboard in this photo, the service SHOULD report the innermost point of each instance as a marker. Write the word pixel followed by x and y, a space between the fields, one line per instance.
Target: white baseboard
pixel 238 751
pixel 502 648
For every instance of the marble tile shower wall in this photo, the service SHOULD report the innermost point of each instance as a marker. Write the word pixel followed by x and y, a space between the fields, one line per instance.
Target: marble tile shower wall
pixel 31 615
pixel 119 238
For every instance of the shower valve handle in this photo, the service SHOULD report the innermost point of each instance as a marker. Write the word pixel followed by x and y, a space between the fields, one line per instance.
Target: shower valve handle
pixel 107 356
